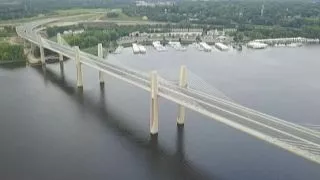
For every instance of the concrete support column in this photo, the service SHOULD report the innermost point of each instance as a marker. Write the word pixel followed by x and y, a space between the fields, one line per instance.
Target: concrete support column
pixel 100 55
pixel 32 48
pixel 24 44
pixel 42 56
pixel 183 84
pixel 154 107
pixel 59 40
pixel 79 68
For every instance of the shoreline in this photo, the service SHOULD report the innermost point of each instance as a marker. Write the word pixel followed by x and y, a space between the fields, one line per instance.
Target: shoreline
pixel 12 62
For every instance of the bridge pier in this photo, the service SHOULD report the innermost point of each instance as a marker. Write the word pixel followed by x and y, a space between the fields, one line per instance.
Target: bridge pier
pixel 32 48
pixel 42 56
pixel 59 40
pixel 183 84
pixel 100 55
pixel 79 68
pixel 154 106
pixel 24 43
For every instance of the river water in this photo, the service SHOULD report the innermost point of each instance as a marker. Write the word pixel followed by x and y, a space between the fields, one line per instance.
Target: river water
pixel 49 129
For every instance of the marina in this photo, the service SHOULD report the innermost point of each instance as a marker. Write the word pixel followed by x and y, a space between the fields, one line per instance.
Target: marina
pixel 203 46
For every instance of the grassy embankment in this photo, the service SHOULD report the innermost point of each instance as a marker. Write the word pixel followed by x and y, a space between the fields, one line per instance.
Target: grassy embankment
pixel 10 50
pixel 11 53
pixel 53 14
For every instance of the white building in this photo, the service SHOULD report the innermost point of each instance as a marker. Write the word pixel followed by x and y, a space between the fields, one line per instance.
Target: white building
pixel 69 32
pixel 80 31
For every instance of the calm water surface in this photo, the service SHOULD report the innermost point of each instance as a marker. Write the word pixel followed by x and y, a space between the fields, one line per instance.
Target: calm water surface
pixel 51 130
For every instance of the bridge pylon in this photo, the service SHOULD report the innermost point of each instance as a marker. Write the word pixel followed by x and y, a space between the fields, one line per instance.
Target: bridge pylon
pixel 100 55
pixel 24 43
pixel 182 84
pixel 79 68
pixel 59 40
pixel 42 56
pixel 32 48
pixel 154 106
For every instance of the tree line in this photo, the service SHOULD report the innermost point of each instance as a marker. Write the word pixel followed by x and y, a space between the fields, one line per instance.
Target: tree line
pixel 29 8
pixel 296 17
pixel 263 32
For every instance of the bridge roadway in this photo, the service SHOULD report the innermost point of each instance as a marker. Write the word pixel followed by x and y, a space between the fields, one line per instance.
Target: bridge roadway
pixel 292 137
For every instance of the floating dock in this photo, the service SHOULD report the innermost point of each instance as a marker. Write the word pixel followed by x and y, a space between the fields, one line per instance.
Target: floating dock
pixel 221 47
pixel 197 46
pixel 118 50
pixel 289 45
pixel 177 46
pixel 294 45
pixel 257 45
pixel 287 40
pixel 158 46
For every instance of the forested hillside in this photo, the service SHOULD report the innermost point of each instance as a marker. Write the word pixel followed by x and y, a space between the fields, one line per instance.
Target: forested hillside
pixel 26 8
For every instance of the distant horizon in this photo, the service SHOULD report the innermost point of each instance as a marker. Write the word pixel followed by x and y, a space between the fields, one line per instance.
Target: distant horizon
pixel 115 1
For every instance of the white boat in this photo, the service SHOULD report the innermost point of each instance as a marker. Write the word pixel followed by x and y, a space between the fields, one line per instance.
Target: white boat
pixel 205 46
pixel 257 45
pixel 135 48
pixel 294 45
pixel 221 47
pixel 142 49
pixel 158 46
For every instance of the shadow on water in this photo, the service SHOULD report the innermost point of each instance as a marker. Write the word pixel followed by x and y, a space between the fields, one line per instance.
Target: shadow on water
pixel 160 162
pixel 13 65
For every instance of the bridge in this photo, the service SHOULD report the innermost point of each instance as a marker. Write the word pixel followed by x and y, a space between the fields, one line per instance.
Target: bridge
pixel 300 140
